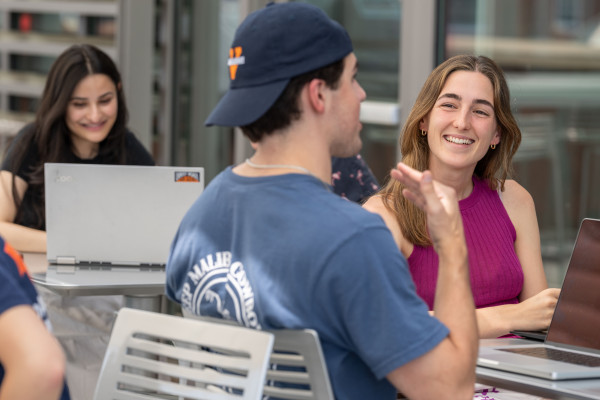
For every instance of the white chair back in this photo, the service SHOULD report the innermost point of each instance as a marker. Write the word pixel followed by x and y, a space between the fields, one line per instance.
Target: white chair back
pixel 158 356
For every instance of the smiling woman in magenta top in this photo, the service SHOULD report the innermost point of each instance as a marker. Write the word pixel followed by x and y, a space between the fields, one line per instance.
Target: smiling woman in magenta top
pixel 461 128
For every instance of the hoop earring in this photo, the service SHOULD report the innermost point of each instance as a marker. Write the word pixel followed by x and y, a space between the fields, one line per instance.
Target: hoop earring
pixel 423 133
pixel 492 146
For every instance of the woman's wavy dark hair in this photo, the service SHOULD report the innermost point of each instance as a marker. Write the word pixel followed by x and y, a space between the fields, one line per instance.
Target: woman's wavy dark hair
pixel 49 132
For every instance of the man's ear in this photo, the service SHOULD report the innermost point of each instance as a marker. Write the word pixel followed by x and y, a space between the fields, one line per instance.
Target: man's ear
pixel 315 92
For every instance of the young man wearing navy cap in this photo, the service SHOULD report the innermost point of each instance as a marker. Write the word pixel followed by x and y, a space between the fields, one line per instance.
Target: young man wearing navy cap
pixel 270 246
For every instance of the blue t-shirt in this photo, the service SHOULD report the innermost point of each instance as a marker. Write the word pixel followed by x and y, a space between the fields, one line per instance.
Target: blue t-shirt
pixel 16 289
pixel 285 252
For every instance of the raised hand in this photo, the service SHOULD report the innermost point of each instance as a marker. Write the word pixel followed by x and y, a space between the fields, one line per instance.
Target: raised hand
pixel 439 202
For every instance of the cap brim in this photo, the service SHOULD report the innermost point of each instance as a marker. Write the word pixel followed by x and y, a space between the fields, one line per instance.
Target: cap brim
pixel 243 106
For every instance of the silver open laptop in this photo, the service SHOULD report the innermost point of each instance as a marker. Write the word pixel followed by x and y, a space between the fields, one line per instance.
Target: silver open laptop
pixel 116 215
pixel 574 332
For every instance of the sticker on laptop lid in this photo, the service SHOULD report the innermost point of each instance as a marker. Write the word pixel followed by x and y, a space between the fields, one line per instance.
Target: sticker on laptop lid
pixel 187 176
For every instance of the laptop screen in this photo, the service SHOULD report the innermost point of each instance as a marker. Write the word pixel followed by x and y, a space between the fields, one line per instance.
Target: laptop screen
pixel 116 214
pixel 576 320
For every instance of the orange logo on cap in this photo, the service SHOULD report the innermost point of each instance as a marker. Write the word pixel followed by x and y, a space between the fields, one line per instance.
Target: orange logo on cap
pixel 235 59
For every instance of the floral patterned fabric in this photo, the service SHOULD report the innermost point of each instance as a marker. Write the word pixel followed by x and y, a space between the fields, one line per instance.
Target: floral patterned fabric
pixel 352 178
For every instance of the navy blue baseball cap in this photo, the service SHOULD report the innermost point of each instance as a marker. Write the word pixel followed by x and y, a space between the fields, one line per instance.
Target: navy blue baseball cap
pixel 271 46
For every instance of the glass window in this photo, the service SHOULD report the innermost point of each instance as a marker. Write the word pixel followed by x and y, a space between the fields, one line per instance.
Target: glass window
pixel 374 26
pixel 193 46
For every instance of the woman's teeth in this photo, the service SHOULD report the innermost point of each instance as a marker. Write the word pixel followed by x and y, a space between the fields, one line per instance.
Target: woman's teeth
pixel 458 140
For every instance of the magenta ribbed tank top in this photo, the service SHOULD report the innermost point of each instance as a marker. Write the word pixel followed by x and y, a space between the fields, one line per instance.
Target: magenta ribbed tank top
pixel 496 273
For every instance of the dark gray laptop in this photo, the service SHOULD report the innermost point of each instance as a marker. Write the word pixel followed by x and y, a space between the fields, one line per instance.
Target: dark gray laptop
pixel 571 349
pixel 116 215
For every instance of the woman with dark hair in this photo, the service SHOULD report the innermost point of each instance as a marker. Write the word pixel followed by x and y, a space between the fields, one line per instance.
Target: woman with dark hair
pixel 82 118
pixel 462 129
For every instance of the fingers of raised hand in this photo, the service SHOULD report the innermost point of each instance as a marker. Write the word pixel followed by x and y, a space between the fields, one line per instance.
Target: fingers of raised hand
pixel 414 197
pixel 409 177
pixel 418 186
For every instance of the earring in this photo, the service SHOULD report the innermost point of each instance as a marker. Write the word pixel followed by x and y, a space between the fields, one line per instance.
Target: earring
pixel 423 133
pixel 492 146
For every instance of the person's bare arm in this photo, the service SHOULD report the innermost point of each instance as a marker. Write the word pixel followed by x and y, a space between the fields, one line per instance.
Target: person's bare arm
pixel 449 368
pixel 521 209
pixel 33 360
pixel 22 238
pixel 537 302
pixel 535 313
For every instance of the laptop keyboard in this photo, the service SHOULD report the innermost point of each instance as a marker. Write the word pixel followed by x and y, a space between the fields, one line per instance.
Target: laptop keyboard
pixel 557 355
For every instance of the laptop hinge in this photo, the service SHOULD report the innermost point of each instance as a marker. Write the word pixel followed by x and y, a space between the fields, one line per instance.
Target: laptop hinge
pixel 65 260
